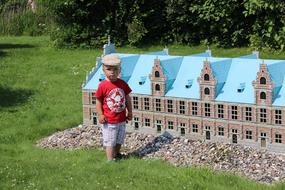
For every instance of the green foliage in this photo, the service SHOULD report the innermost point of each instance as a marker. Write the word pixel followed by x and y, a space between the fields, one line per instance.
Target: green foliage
pixel 17 19
pixel 136 31
pixel 211 21
pixel 85 23
pixel 126 21
pixel 268 30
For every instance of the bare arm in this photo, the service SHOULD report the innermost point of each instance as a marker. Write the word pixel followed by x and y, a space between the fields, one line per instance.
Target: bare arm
pixel 129 107
pixel 99 108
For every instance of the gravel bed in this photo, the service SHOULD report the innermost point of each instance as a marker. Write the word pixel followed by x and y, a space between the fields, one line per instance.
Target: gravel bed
pixel 258 165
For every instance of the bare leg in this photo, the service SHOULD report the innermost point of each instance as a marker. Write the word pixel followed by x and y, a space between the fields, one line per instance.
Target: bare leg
pixel 110 152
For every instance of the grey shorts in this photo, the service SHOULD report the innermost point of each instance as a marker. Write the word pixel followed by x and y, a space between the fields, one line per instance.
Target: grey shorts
pixel 113 133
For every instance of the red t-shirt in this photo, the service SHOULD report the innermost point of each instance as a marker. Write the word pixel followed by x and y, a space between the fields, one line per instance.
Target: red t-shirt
pixel 113 96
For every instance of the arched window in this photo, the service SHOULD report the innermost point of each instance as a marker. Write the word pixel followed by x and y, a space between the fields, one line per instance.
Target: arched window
pixel 156 74
pixel 262 95
pixel 206 77
pixel 262 80
pixel 207 91
pixel 157 87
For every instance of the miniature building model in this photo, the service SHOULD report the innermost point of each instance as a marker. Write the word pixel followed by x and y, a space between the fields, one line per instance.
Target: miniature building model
pixel 233 100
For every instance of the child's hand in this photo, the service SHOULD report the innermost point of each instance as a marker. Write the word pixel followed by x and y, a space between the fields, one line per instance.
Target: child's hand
pixel 130 116
pixel 102 119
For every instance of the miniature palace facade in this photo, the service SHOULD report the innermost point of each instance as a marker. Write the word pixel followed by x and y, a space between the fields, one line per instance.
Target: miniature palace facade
pixel 232 100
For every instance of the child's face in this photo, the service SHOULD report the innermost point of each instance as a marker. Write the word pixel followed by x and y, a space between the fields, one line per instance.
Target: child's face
pixel 111 72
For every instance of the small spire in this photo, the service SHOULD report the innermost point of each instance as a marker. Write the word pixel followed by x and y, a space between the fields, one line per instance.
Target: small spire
pixel 166 50
pixel 256 52
pixel 109 40
pixel 86 76
pixel 209 51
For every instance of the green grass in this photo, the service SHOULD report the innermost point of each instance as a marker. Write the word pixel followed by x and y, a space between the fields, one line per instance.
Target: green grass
pixel 40 94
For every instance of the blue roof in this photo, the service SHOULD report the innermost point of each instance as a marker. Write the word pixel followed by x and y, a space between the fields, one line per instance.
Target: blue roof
pixel 205 54
pixel 279 99
pixel 220 70
pixel 128 63
pixel 170 69
pixel 238 76
pixel 189 72
pixel 250 56
pixel 234 76
pixel 157 53
pixel 143 69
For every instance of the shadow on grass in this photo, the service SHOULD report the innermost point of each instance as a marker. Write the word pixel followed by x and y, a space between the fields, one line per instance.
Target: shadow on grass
pixel 10 97
pixel 15 46
pixel 2 53
pixel 155 145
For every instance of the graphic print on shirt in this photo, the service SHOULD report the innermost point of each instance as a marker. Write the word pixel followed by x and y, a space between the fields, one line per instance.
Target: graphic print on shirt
pixel 116 100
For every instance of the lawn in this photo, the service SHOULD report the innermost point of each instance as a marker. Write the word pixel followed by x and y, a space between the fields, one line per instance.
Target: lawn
pixel 40 93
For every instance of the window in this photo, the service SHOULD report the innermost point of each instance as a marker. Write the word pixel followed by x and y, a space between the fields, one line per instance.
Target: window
pixel 147 122
pixel 278 138
pixel 158 125
pixel 182 107
pixel 278 117
pixel 169 106
pixel 248 134
pixel 207 110
pixel 262 134
pixel 207 91
pixel 206 77
pixel 248 114
pixel 195 128
pixel 182 129
pixel 220 111
pixel 93 98
pixel 221 131
pixel 234 112
pixel 208 128
pixel 146 103
pixel 262 80
pixel 95 118
pixel 135 102
pixel 156 74
pixel 194 108
pixel 170 124
pixel 262 95
pixel 262 115
pixel 157 87
pixel 157 105
pixel 136 123
pixel 234 131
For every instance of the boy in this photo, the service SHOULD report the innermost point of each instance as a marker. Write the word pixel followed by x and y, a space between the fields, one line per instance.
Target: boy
pixel 112 101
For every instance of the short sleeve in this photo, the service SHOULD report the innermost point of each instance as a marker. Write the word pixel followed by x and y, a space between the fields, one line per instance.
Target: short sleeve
pixel 128 90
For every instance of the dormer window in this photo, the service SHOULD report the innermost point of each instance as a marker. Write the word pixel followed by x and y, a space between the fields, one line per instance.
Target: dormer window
pixel 206 77
pixel 142 80
pixel 157 87
pixel 262 95
pixel 189 83
pixel 156 74
pixel 207 91
pixel 102 77
pixel 262 80
pixel 241 87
